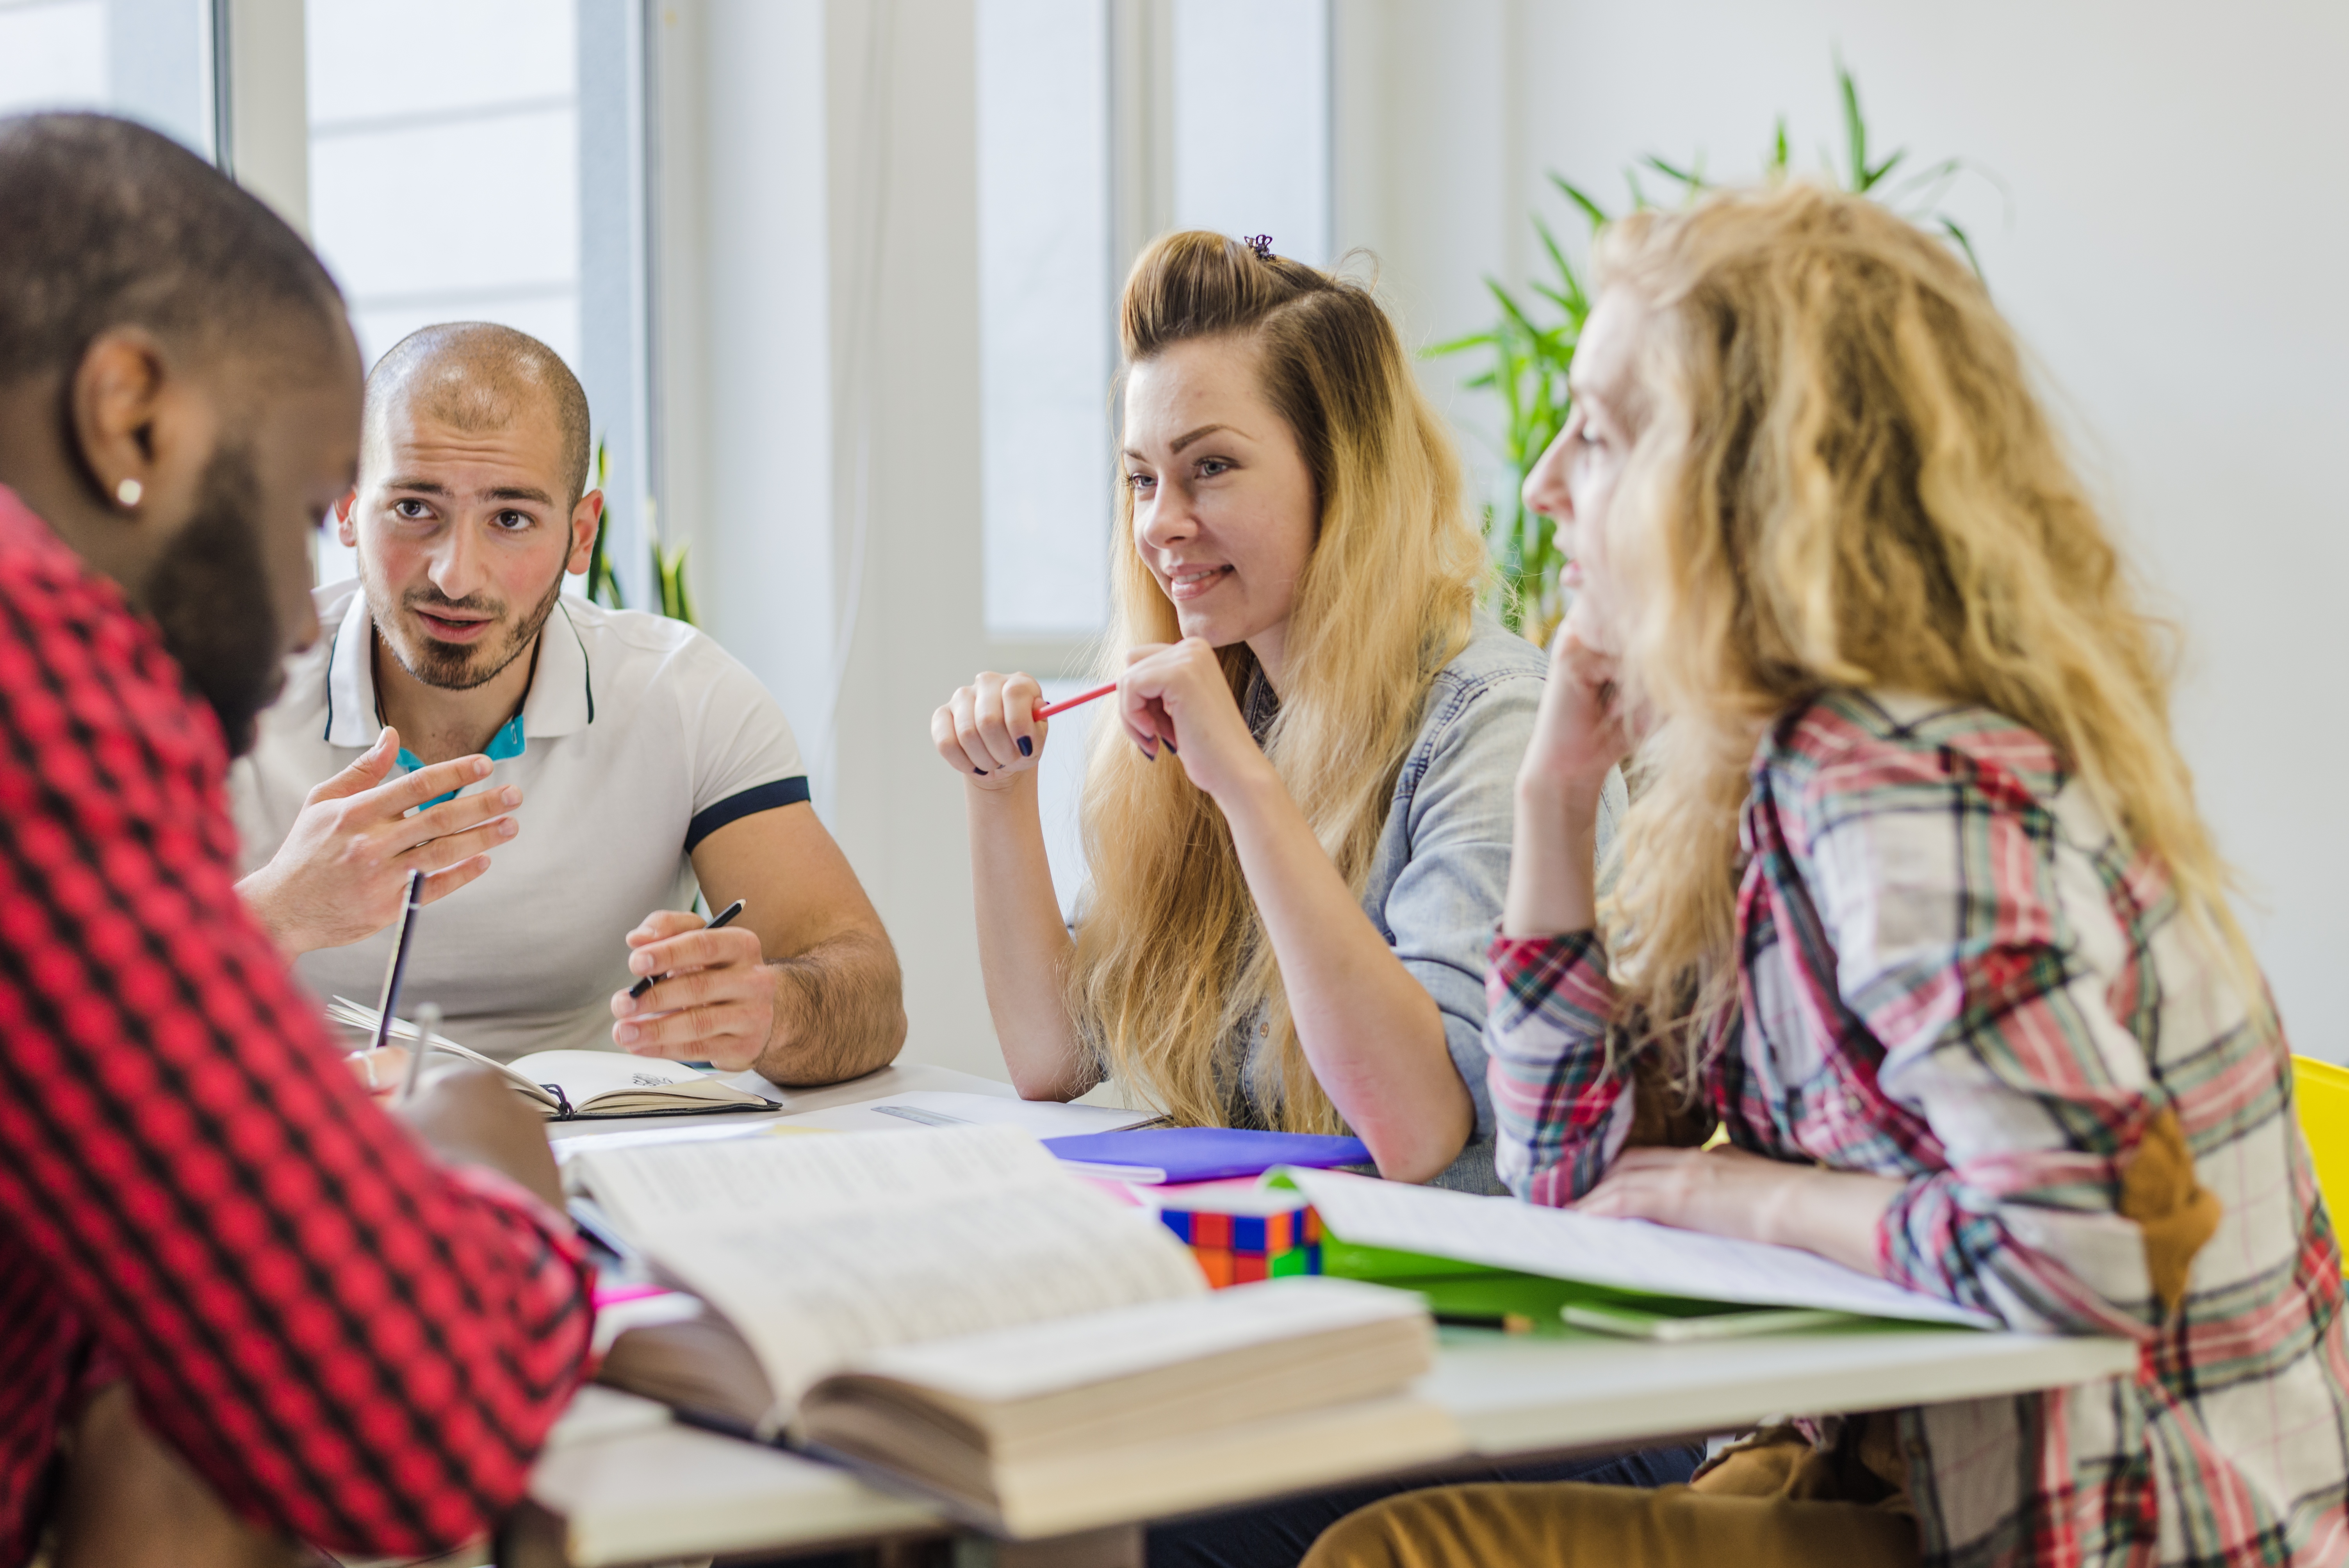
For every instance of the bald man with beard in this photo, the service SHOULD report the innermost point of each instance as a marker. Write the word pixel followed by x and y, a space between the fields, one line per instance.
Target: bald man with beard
pixel 566 776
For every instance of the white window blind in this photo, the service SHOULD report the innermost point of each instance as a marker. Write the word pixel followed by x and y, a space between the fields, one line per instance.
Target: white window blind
pixel 1045 352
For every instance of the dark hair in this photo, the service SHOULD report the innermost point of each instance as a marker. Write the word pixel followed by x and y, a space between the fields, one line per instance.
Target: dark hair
pixel 104 224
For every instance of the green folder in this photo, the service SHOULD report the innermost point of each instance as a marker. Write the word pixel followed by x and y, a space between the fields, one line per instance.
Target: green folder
pixel 1562 1308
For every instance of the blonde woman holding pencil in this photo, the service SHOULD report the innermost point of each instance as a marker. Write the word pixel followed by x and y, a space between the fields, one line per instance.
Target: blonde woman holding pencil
pixel 1297 819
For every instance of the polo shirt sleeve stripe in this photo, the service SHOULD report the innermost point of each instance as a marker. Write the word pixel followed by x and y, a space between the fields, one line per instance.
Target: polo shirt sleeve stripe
pixel 750 802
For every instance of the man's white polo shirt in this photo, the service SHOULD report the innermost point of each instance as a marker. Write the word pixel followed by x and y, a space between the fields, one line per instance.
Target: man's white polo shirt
pixel 641 737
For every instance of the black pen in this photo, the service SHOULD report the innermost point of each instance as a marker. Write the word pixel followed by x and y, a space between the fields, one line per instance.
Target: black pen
pixel 408 905
pixel 1500 1321
pixel 724 916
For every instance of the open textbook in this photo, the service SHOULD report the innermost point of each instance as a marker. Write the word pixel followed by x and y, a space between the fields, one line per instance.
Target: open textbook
pixel 951 1306
pixel 584 1086
pixel 1632 1256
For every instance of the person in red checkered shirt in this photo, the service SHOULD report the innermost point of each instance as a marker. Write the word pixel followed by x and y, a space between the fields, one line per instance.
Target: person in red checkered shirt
pixel 241 1306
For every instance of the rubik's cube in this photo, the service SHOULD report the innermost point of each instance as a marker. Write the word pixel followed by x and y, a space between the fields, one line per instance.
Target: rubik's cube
pixel 1240 1238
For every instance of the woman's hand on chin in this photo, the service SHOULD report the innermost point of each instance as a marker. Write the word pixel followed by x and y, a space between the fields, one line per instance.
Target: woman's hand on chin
pixel 1176 698
pixel 1579 732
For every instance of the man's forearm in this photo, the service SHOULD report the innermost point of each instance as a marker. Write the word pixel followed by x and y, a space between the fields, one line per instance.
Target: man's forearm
pixel 838 1012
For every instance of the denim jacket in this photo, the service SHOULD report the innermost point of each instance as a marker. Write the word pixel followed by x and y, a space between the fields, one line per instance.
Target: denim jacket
pixel 1442 858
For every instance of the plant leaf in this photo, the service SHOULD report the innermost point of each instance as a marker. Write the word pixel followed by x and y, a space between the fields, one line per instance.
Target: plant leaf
pixel 1855 125
pixel 1949 226
pixel 1590 209
pixel 1510 308
pixel 1694 180
pixel 1456 345
pixel 1550 247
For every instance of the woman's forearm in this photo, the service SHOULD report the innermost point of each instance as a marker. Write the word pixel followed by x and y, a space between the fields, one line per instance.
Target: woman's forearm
pixel 1023 944
pixel 1373 1034
pixel 1835 1214
pixel 1553 860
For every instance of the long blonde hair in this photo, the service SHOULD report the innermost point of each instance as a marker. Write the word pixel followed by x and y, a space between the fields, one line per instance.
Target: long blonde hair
pixel 1171 955
pixel 1841 477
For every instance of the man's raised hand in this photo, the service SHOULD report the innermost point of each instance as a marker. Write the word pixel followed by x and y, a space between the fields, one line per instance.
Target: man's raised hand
pixel 338 877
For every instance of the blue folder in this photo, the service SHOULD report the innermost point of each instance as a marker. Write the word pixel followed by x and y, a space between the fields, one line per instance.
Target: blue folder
pixel 1154 1154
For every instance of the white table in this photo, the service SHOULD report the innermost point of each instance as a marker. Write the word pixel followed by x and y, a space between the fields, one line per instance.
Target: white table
pixel 671 1491
pixel 897 1079
pixel 1516 1394
pixel 648 1489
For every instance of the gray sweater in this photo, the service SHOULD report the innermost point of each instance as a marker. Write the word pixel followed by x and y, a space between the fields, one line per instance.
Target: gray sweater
pixel 1442 860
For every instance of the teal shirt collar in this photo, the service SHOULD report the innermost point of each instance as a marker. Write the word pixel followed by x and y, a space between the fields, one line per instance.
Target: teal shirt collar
pixel 506 743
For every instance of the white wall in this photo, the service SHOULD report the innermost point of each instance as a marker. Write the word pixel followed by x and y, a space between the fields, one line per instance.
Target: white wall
pixel 2172 256
pixel 819 356
pixel 2169 256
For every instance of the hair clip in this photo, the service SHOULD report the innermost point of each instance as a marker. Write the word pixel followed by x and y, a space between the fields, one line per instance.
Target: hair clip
pixel 1261 244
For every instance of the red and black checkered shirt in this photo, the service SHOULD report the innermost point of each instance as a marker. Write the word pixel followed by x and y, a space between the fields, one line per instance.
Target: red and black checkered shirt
pixel 349 1341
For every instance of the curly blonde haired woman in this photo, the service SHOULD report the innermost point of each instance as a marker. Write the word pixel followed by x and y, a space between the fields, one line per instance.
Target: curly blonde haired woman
pixel 1297 820
pixel 1916 906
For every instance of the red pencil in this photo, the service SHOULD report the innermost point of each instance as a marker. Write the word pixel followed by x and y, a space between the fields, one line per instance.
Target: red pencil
pixel 1046 710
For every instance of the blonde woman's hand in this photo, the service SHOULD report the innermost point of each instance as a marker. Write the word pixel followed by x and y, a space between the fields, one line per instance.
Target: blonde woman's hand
pixel 989 731
pixel 1578 733
pixel 1174 697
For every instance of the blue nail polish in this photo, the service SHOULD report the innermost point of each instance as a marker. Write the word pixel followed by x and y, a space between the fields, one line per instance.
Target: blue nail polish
pixel 980 772
pixel 1027 746
pixel 1170 746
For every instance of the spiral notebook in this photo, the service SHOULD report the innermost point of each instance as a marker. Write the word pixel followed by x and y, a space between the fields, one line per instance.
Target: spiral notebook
pixel 585 1086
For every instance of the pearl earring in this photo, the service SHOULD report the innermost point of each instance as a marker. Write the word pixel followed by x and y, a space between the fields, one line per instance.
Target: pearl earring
pixel 129 491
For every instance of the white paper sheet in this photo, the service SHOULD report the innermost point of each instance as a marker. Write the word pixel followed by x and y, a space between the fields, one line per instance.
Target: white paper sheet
pixel 569 1149
pixel 1625 1255
pixel 645 1188
pixel 1022 1362
pixel 1044 1118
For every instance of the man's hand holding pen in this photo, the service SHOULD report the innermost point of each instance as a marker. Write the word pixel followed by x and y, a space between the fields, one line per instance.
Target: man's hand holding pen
pixel 705 991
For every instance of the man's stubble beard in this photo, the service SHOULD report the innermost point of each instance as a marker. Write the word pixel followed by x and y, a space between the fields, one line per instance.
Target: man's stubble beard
pixel 460 669
pixel 210 597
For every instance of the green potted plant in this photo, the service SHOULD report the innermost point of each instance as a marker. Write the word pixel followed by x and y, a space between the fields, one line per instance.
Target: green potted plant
pixel 1532 343
pixel 669 564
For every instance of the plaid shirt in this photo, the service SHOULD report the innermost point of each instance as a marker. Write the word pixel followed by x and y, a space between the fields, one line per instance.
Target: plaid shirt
pixel 346 1340
pixel 1953 973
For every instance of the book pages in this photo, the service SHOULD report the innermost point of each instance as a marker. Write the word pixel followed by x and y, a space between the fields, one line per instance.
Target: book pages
pixel 646 1187
pixel 818 1249
pixel 947 1107
pixel 614 1080
pixel 1036 1358
pixel 1625 1255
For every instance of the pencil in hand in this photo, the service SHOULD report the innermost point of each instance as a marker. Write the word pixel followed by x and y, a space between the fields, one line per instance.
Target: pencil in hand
pixel 1047 709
